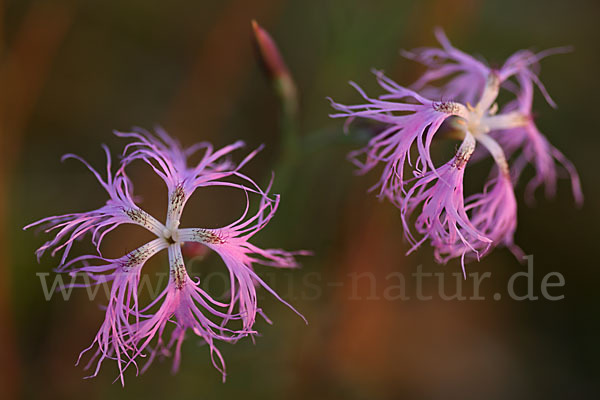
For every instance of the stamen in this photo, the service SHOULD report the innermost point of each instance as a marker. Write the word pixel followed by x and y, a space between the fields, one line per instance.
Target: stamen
pixel 140 255
pixel 448 107
pixel 464 152
pixel 176 202
pixel 200 235
pixel 142 218
pixel 177 267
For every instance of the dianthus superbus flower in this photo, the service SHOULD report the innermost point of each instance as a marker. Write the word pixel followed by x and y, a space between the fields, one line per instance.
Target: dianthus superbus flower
pixel 131 330
pixel 460 91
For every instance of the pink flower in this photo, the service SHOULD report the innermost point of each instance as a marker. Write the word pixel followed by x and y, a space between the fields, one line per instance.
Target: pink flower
pixel 468 90
pixel 443 218
pixel 466 76
pixel 527 145
pixel 411 121
pixel 131 330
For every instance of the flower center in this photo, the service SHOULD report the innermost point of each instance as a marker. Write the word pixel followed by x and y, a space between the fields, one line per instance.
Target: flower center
pixel 476 122
pixel 171 236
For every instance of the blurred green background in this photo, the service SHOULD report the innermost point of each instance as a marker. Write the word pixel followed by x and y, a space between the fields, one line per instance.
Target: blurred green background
pixel 71 72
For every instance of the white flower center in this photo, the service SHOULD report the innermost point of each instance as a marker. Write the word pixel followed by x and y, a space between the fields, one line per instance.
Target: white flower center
pixel 483 118
pixel 171 235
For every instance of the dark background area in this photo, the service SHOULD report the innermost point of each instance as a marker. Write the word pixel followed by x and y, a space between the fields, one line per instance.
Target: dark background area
pixel 71 72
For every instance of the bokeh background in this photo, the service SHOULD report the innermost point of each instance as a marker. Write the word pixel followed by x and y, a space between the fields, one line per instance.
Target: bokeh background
pixel 72 71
